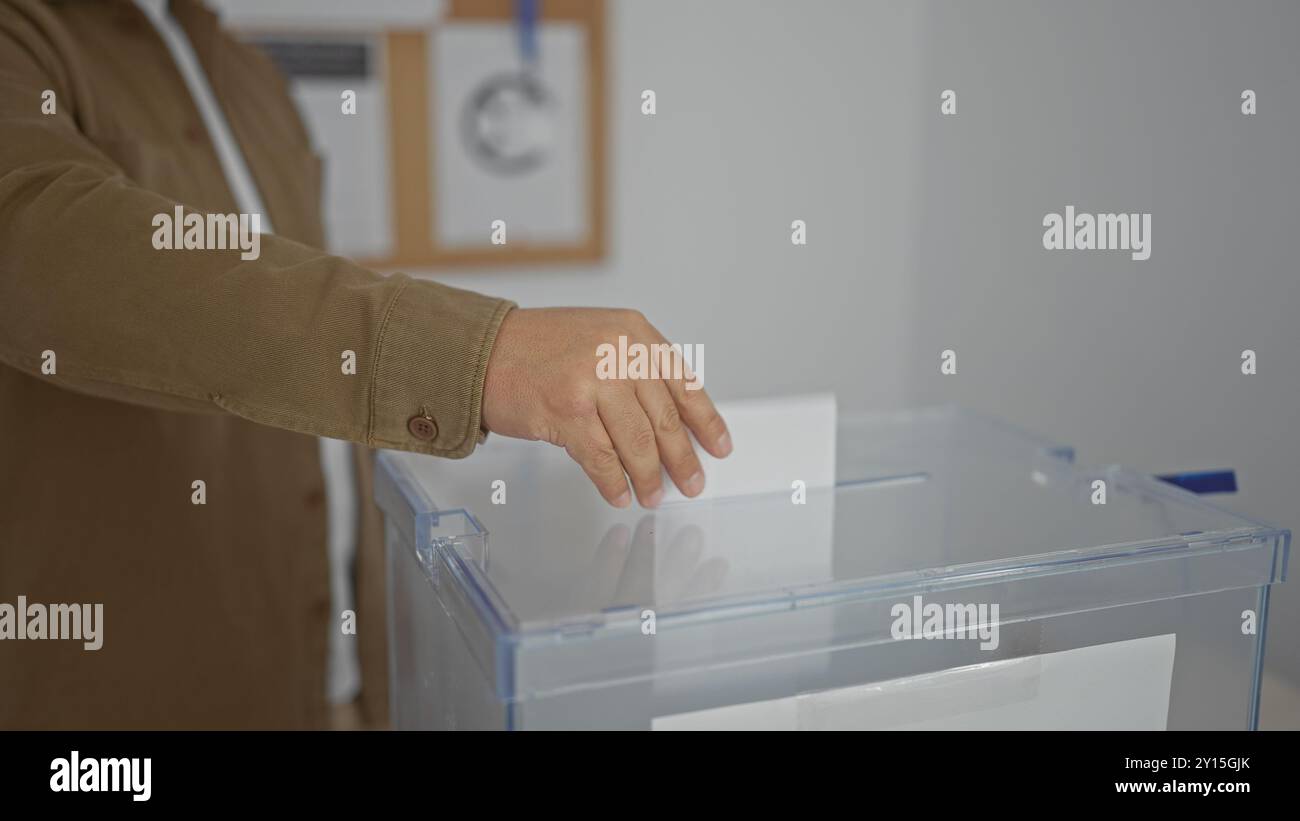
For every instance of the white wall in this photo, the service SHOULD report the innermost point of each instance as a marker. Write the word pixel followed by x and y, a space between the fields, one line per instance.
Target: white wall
pixel 1120 106
pixel 765 115
pixel 925 232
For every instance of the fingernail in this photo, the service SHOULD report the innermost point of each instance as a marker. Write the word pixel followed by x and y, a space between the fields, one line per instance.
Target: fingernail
pixel 724 444
pixel 653 499
pixel 694 484
pixel 624 499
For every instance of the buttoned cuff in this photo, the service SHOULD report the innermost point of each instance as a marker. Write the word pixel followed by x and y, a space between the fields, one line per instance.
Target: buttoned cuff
pixel 432 356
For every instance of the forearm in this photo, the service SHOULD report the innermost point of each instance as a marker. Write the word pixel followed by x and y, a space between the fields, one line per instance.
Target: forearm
pixel 267 338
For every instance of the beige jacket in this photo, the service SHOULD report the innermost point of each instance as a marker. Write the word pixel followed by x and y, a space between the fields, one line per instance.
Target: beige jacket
pixel 172 366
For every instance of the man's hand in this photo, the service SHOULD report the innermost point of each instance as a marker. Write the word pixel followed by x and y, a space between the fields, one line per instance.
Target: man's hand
pixel 542 384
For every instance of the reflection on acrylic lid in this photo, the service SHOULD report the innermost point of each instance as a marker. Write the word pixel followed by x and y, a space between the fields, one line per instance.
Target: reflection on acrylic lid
pixel 921 499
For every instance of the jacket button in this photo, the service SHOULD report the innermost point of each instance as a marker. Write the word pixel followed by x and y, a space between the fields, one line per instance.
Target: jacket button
pixel 422 428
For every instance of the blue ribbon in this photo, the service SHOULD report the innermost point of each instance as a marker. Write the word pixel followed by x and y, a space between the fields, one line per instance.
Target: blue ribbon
pixel 526 12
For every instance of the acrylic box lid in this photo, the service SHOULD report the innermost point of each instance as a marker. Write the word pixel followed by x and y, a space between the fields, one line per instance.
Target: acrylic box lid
pixel 921 499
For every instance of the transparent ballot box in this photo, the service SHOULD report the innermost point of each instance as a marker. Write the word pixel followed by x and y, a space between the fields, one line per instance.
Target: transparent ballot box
pixel 959 574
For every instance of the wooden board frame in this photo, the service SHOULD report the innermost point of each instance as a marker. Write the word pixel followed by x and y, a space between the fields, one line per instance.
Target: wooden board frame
pixel 411 146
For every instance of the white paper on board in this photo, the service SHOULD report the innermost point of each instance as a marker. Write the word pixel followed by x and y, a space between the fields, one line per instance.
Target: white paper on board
pixel 355 184
pixel 546 205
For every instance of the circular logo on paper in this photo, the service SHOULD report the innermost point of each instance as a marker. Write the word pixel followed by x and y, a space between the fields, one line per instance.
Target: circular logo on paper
pixel 507 123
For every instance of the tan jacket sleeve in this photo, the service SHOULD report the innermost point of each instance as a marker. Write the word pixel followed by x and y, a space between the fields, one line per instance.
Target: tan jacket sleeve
pixel 205 329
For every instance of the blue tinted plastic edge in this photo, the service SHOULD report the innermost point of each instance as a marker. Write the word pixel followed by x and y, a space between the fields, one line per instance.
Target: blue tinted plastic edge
pixel 400 497
pixel 1203 481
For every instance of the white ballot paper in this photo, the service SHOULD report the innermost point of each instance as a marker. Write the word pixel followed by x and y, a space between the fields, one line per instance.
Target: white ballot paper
pixel 752 544
pixel 775 442
pixel 1123 685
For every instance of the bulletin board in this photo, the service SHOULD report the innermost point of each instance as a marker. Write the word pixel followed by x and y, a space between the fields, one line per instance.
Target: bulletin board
pixel 445 197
